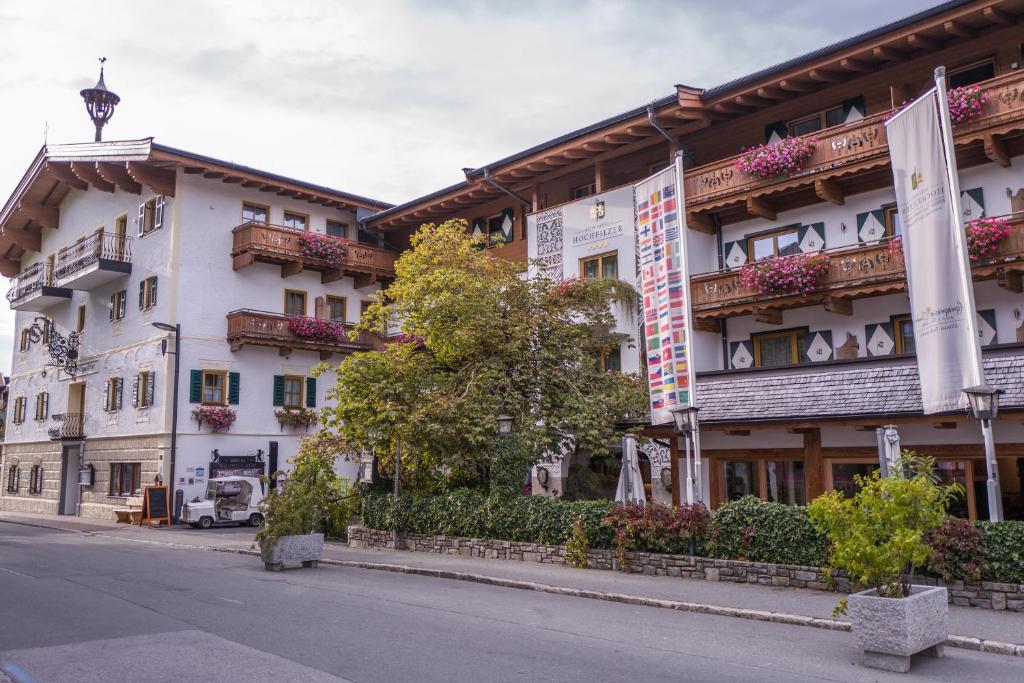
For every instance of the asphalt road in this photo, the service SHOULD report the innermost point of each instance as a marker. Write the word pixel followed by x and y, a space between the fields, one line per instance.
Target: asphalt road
pixel 83 609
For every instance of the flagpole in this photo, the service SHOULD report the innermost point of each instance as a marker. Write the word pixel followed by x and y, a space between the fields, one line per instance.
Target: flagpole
pixel 692 444
pixel 995 500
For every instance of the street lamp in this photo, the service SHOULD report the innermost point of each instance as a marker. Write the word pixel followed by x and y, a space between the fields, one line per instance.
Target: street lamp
pixel 984 402
pixel 685 418
pixel 176 329
pixel 505 424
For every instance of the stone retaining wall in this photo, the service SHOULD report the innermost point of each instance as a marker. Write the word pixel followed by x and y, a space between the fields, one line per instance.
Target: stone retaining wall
pixel 987 594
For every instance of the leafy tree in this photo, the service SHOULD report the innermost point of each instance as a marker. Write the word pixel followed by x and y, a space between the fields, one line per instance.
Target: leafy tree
pixel 479 340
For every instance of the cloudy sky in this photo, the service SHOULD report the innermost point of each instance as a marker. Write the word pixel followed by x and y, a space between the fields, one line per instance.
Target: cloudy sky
pixel 384 98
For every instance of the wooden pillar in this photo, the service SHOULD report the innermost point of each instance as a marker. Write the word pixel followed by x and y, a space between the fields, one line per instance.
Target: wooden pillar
pixel 814 465
pixel 536 198
pixel 599 176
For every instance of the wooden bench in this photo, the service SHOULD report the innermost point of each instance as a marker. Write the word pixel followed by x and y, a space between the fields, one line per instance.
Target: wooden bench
pixel 131 513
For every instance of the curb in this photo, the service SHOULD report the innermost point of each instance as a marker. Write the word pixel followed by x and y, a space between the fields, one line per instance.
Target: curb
pixel 957 641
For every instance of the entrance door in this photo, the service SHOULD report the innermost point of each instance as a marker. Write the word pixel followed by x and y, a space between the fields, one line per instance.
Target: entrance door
pixel 70 490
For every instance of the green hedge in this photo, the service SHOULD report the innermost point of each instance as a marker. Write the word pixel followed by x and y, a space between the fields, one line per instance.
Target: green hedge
pixel 755 530
pixel 1002 544
pixel 465 512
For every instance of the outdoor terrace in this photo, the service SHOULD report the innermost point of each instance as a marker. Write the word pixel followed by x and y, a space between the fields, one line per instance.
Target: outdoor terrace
pixel 265 243
pixel 854 272
pixel 289 333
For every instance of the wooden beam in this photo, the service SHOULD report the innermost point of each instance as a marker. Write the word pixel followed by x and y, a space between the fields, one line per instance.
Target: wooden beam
pixel 118 175
pixel 758 206
pixel 194 170
pixel 596 147
pixel 944 425
pixel 997 16
pixel 736 431
pixel 27 240
pixel 769 93
pixel 363 280
pixel 576 154
pixel 616 139
pixel 9 267
pixel 160 180
pixel 748 101
pixel 768 316
pixel 865 427
pixel 63 173
pixel 88 173
pixel 834 304
pixel 995 150
pixel 252 184
pixel 729 108
pixel 829 191
pixel 598 176
pixel 46 216
pixel 701 222
pixel 814 464
pixel 1010 280
pixel 797 86
pixel 291 268
pixel 708 325
pixel 889 54
pixel 923 42
pixel 233 180
pixel 955 28
pixel 856 65
pixel 214 175
pixel 824 76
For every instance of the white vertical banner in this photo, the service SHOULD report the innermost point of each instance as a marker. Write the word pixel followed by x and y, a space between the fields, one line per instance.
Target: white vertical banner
pixel 935 250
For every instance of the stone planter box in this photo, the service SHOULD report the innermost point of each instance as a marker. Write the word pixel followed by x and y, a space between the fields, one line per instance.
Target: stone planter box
pixel 890 630
pixel 307 550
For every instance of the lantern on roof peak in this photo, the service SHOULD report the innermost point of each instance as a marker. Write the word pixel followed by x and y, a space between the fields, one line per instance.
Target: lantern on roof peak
pixel 100 102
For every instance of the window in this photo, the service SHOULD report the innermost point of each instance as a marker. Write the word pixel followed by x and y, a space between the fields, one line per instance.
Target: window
pixel 365 237
pixel 815 122
pixel 147 293
pixel 363 307
pixel 293 391
pixel 583 191
pixel 121 238
pixel 741 479
pixel 80 325
pixel 611 361
pixel 213 386
pixel 117 305
pixel 337 229
pixel 603 266
pixel 500 228
pixel 112 400
pixel 42 406
pixel 295 221
pixel 35 480
pixel 893 227
pixel 972 73
pixel 254 213
pixel 19 409
pixel 142 391
pixel 336 306
pixel 772 349
pixel 778 243
pixel 903 328
pixel 13 479
pixel 125 478
pixel 784 480
pixel 844 475
pixel 151 216
pixel 294 302
pixel 26 340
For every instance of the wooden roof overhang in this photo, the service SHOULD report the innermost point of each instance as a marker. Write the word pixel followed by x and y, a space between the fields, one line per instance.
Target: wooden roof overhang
pixel 126 165
pixel 693 110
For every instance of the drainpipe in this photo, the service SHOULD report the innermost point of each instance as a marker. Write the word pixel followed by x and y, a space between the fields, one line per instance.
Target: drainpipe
pixel 661 129
pixel 721 266
pixel 498 186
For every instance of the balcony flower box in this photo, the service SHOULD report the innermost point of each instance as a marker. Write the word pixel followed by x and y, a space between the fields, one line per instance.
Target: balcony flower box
pixel 316 329
pixel 965 103
pixel 220 418
pixel 776 158
pixel 296 417
pixel 322 247
pixel 785 275
pixel 984 236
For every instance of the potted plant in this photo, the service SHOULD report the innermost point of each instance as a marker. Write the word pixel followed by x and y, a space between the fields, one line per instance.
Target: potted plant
pixel 313 502
pixel 296 417
pixel 879 537
pixel 220 418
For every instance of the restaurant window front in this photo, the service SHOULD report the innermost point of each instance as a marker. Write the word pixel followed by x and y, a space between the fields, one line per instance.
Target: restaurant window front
pixel 741 479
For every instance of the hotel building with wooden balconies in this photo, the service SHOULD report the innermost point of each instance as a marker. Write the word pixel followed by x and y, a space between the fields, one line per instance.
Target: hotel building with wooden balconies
pixel 106 238
pixel 792 387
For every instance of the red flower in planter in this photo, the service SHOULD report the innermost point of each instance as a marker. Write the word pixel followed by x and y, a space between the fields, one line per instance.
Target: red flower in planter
pixel 323 247
pixel 785 275
pixel 775 158
pixel 220 418
pixel 984 236
pixel 316 329
pixel 965 104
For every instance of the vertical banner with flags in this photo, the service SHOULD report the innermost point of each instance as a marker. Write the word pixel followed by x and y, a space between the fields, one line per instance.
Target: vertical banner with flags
pixel 665 291
pixel 935 249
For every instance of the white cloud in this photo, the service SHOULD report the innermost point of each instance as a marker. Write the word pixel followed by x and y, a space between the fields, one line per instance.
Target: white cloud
pixel 388 99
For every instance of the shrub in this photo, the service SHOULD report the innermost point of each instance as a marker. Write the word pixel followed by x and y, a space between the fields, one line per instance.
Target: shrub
pixel 510 466
pixel 956 551
pixel 1003 548
pixel 577 546
pixel 657 528
pixel 759 531
pixel 877 536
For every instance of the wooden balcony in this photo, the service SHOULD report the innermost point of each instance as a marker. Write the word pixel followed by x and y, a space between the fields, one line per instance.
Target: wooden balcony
pixel 262 328
pixel 266 243
pixel 850 159
pixel 854 272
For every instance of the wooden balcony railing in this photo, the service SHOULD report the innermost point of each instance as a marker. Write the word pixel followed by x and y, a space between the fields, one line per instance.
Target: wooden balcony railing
pixel 262 328
pixel 854 272
pixel 844 151
pixel 266 243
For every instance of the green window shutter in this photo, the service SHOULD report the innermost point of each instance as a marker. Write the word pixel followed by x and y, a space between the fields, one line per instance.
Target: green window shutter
pixel 233 381
pixel 311 392
pixel 278 390
pixel 195 389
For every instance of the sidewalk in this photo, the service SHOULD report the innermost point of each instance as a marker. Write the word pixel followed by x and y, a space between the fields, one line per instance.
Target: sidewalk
pixel 1007 627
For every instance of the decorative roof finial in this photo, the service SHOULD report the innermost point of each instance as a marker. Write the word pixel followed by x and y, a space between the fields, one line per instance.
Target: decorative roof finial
pixel 100 102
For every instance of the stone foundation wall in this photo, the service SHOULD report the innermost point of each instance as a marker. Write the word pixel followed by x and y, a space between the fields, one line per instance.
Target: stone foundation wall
pixel 989 595
pixel 47 455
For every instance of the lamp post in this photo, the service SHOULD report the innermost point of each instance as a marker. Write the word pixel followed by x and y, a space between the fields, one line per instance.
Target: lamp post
pixel 685 418
pixel 176 329
pixel 984 402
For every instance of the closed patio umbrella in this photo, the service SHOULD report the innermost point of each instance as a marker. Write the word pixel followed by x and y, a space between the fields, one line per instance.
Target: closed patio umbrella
pixel 631 484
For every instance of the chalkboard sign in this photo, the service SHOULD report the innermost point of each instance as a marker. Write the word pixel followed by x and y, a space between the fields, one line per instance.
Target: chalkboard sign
pixel 155 506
